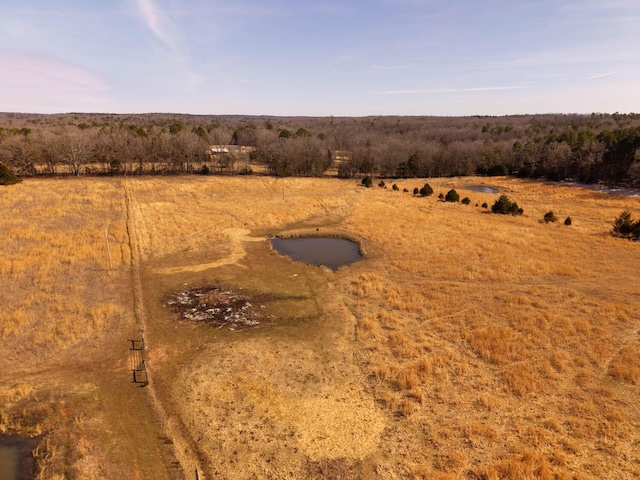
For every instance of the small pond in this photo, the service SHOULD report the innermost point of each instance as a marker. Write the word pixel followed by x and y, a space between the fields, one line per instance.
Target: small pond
pixel 481 188
pixel 8 463
pixel 16 459
pixel 330 252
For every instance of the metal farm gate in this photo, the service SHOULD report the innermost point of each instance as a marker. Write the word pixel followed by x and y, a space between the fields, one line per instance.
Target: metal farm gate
pixel 137 360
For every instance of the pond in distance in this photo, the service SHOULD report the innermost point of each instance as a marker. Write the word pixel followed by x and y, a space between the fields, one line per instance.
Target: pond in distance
pixel 16 458
pixel 481 188
pixel 331 252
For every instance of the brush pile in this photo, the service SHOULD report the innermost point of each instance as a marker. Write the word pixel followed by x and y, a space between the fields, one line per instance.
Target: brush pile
pixel 219 307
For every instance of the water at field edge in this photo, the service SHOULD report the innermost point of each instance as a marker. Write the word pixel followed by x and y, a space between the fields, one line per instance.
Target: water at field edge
pixel 331 252
pixel 481 188
pixel 16 460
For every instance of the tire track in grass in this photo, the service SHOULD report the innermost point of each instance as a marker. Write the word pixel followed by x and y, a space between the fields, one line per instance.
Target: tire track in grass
pixel 184 447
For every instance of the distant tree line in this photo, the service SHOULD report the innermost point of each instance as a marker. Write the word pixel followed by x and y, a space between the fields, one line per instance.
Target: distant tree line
pixel 585 148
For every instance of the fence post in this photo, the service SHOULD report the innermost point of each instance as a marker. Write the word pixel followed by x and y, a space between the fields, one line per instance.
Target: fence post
pixel 106 238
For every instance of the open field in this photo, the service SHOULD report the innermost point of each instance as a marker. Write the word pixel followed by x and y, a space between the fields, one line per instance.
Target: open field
pixel 466 345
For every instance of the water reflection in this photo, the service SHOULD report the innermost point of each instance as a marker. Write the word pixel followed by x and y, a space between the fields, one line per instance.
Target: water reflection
pixel 331 252
pixel 481 188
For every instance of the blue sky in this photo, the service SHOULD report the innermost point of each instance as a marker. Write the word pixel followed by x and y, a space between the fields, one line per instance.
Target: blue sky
pixel 349 57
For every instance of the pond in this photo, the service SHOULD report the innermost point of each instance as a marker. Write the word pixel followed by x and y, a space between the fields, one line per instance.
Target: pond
pixel 481 188
pixel 330 252
pixel 8 463
pixel 16 459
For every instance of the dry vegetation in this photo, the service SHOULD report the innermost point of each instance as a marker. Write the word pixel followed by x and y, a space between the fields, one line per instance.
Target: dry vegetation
pixel 467 345
pixel 63 319
pixel 596 148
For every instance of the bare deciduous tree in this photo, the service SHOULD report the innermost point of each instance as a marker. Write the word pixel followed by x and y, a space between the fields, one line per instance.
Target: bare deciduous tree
pixel 75 149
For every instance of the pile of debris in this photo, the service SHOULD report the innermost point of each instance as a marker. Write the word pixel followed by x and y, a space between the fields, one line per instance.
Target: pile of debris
pixel 219 307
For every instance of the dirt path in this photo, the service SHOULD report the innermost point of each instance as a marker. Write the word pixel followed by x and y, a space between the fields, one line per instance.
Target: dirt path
pixel 236 237
pixel 172 429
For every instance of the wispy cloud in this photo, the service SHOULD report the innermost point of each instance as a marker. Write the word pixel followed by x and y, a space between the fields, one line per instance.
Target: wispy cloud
pixel 155 21
pixel 391 67
pixel 159 22
pixel 449 90
pixel 42 83
pixel 349 72
pixel 598 5
pixel 608 74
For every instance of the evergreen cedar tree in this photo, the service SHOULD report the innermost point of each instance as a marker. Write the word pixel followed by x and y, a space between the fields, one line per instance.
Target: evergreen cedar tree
pixel 426 190
pixel 452 196
pixel 7 177
pixel 505 206
pixel 625 227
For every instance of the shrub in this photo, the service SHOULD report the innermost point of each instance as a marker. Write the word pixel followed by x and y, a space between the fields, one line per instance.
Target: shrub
pixel 505 206
pixel 367 182
pixel 625 227
pixel 404 190
pixel 426 190
pixel 441 196
pixel 416 191
pixel 381 184
pixel 452 196
pixel 567 221
pixel 204 171
pixel 395 187
pixel 484 205
pixel 466 201
pixel 550 217
pixel 7 177
pixel 115 167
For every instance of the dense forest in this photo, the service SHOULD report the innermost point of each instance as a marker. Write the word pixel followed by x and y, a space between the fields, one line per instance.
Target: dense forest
pixel 585 148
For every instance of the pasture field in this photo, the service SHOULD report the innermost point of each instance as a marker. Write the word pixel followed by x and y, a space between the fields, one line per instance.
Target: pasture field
pixel 466 345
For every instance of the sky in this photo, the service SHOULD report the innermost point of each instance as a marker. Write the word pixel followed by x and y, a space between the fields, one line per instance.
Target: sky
pixel 320 58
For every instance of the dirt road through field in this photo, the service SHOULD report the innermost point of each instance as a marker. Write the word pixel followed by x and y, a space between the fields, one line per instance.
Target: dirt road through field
pixel 173 429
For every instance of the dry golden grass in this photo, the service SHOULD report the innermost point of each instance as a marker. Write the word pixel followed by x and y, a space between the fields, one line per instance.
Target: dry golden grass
pixel 625 366
pixel 54 261
pixel 496 332
pixel 65 316
pixel 467 345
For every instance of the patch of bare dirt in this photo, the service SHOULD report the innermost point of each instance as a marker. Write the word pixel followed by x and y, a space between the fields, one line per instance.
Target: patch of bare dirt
pixel 333 468
pixel 220 307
